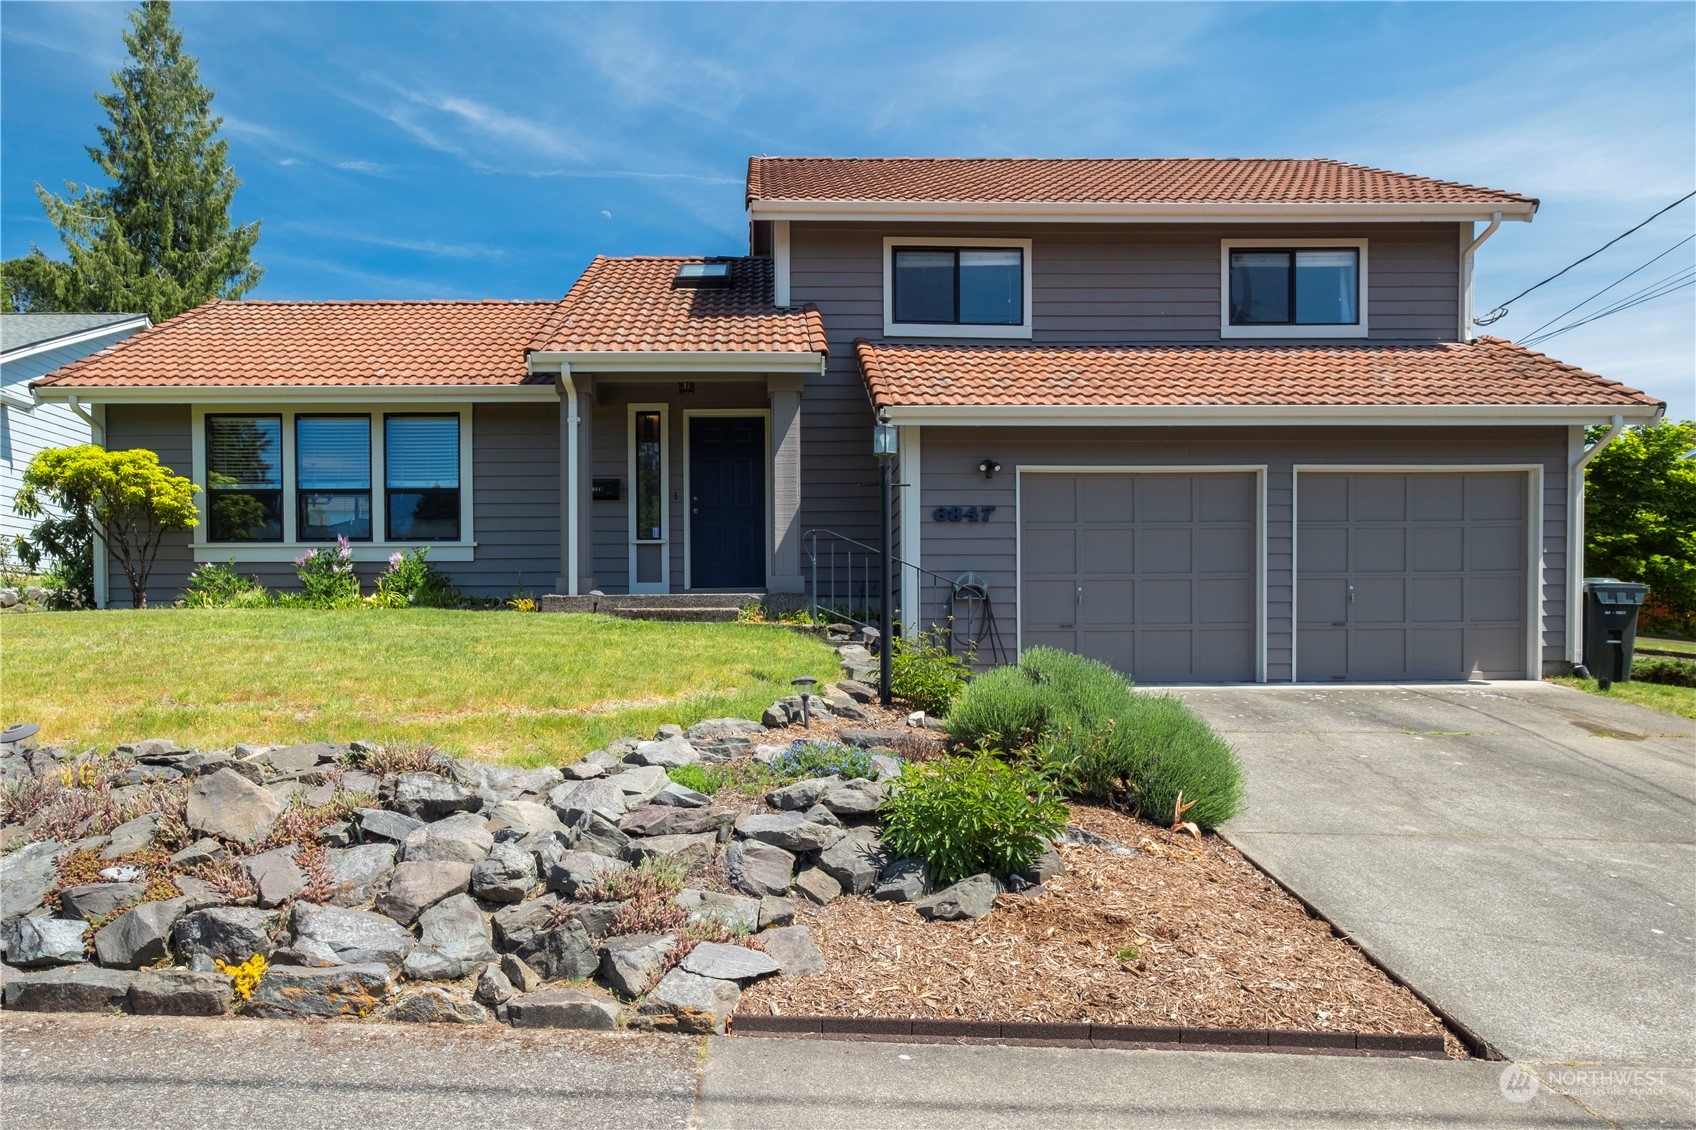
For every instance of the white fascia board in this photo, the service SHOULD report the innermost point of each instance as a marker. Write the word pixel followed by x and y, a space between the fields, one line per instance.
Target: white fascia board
pixel 140 322
pixel 244 394
pixel 996 211
pixel 1250 415
pixel 17 399
pixel 678 361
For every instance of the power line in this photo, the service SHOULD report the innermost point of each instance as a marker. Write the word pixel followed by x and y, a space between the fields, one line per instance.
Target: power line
pixel 1669 285
pixel 1501 311
pixel 1609 287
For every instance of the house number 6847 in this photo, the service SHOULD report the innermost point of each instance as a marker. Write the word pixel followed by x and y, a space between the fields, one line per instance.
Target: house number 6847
pixel 961 513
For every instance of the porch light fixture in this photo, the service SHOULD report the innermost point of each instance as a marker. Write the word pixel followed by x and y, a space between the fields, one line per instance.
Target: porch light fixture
pixel 989 467
pixel 703 274
pixel 886 446
pixel 685 386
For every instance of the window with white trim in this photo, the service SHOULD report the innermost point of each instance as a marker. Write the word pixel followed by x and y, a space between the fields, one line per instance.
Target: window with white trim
pixel 1272 288
pixel 957 288
pixel 332 477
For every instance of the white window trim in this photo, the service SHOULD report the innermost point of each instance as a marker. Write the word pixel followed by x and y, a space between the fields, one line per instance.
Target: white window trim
pixel 663 585
pixel 763 414
pixel 1226 329
pixel 892 328
pixel 376 550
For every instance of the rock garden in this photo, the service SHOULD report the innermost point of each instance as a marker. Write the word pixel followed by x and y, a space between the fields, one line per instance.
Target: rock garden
pixel 1025 862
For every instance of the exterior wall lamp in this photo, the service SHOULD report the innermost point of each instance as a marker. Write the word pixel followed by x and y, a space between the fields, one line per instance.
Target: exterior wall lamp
pixel 989 467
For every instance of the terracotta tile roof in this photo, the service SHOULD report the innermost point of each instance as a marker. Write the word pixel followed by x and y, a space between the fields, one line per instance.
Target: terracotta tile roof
pixel 1132 180
pixel 1489 372
pixel 632 304
pixel 288 344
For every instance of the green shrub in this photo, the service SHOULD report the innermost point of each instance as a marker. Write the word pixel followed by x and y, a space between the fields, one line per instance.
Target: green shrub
pixel 411 580
pixel 966 815
pixel 327 579
pixel 809 757
pixel 924 673
pixel 742 777
pixel 220 586
pixel 1082 721
pixel 1668 672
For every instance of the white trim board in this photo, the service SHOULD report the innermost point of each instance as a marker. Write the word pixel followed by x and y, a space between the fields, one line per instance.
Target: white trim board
pixel 976 211
pixel 135 322
pixel 663 363
pixel 911 467
pixel 1355 329
pixel 688 495
pixel 663 585
pixel 1261 415
pixel 390 396
pixel 892 328
pixel 1534 539
pixel 1258 470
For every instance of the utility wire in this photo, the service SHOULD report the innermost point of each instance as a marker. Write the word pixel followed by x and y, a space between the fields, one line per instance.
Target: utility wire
pixel 1501 311
pixel 1609 287
pixel 1669 285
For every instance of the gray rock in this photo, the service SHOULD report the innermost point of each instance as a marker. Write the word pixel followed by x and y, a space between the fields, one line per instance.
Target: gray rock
pixel 523 818
pixel 853 799
pixel 728 963
pixel 335 935
pixel 493 987
pixel 132 836
pixel 969 898
pixel 229 806
pixel 140 936
pixel 596 834
pixel 26 877
pixel 152 749
pixel 819 814
pixel 854 862
pixel 89 901
pixel 597 917
pixel 903 880
pixel 462 838
pixel 453 939
pixel 417 886
pixel 515 925
pixel 562 954
pixel 426 796
pixel 759 868
pixel 732 911
pixel 843 706
pixel 641 784
pixel 77 988
pixel 534 782
pixel 885 767
pixel 818 885
pixel 630 963
pixel 506 875
pixel 723 729
pixel 681 796
pixel 582 871
pixel 299 758
pixel 277 878
pixel 584 771
pixel 341 834
pixel 667 730
pixel 776 716
pixel 435 1005
pixel 870 738
pixel 792 948
pixel 564 1008
pixel 671 753
pixel 288 991
pixel 385 825
pixel 776 911
pixel 691 853
pixel 204 850
pixel 666 820
pixel 1044 867
pixel 194 764
pixel 858 692
pixel 146 774
pixel 181 992
pixel 357 874
pixel 33 943
pixel 787 831
pixel 686 1002
pixel 230 934
pixel 576 800
pixel 519 974
pixel 801 794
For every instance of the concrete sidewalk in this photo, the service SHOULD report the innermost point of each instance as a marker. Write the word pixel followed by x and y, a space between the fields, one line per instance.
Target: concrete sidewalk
pixel 1522 854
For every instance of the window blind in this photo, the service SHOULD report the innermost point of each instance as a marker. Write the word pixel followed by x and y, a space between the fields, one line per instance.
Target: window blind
pixel 244 452
pixel 422 452
pixel 333 453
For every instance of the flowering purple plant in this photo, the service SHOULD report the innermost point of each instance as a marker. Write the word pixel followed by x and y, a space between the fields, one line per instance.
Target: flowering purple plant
pixel 327 578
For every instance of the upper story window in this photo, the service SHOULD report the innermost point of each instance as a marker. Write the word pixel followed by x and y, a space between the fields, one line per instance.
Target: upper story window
pixel 1275 288
pixel 957 288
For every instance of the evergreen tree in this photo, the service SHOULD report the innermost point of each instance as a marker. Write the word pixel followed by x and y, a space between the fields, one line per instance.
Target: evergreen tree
pixel 158 240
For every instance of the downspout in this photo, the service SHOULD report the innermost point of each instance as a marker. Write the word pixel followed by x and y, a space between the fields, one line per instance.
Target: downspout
pixel 572 423
pixel 1575 541
pixel 96 432
pixel 1466 275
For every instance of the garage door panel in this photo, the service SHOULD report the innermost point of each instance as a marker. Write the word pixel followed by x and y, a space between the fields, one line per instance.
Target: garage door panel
pixel 1431 652
pixel 1165 551
pixel 1105 498
pixel 1105 550
pixel 1379 549
pixel 1378 653
pixel 1049 604
pixel 1049 498
pixel 1323 600
pixel 1323 549
pixel 1379 600
pixel 1221 601
pixel 1323 653
pixel 1437 549
pixel 1163 602
pixel 1164 656
pixel 1496 548
pixel 1039 637
pixel 1322 498
pixel 1108 601
pixel 1165 498
pixel 1053 551
pixel 1436 498
pixel 1436 600
pixel 1224 498
pixel 1378 498
pixel 1220 549
pixel 1116 649
pixel 1494 599
pixel 1496 652
pixel 1225 654
pixel 1495 498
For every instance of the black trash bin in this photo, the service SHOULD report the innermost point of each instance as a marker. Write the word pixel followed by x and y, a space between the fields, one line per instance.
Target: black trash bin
pixel 1610 628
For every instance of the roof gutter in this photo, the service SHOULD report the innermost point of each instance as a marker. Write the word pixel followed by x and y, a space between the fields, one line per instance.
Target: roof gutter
pixel 991 211
pixel 1133 415
pixel 1575 541
pixel 1466 277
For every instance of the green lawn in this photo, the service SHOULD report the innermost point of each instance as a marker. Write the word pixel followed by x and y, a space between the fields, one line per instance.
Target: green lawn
pixel 528 689
pixel 1673 700
pixel 1661 643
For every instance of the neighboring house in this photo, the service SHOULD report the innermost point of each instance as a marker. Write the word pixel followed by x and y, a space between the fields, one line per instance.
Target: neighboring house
pixel 1208 420
pixel 32 345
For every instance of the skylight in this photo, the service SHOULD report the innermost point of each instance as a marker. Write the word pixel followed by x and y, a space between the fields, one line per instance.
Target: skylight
pixel 703 274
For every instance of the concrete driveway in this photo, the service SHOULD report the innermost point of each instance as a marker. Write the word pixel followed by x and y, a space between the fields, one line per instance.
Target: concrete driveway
pixel 1524 855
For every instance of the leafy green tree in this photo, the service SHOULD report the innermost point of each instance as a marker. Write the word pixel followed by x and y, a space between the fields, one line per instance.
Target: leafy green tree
pixel 159 239
pixel 1640 518
pixel 126 495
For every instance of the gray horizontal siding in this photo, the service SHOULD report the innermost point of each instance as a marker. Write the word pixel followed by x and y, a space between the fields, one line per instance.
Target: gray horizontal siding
pixel 164 430
pixel 950 478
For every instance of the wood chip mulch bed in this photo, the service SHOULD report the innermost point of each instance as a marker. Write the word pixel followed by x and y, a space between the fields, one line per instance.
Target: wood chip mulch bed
pixel 1216 944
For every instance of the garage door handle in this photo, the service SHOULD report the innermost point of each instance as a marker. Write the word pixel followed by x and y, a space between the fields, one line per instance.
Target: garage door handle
pixel 1351 594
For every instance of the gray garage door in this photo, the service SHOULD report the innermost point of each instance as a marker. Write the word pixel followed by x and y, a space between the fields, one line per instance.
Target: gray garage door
pixel 1410 576
pixel 1152 573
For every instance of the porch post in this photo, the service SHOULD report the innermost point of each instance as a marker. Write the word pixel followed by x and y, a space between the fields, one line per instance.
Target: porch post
pixel 566 582
pixel 586 398
pixel 785 570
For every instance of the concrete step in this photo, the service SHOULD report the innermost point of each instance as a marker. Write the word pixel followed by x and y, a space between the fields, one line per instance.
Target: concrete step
pixel 678 615
pixel 701 607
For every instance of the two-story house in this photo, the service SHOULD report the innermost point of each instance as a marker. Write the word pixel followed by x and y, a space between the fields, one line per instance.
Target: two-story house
pixel 1208 420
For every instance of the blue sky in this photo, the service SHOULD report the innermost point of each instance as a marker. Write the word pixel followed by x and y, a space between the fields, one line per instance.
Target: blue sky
pixel 489 150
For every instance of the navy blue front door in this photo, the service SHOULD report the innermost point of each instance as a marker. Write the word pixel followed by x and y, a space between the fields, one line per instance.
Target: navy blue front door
pixel 727 502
